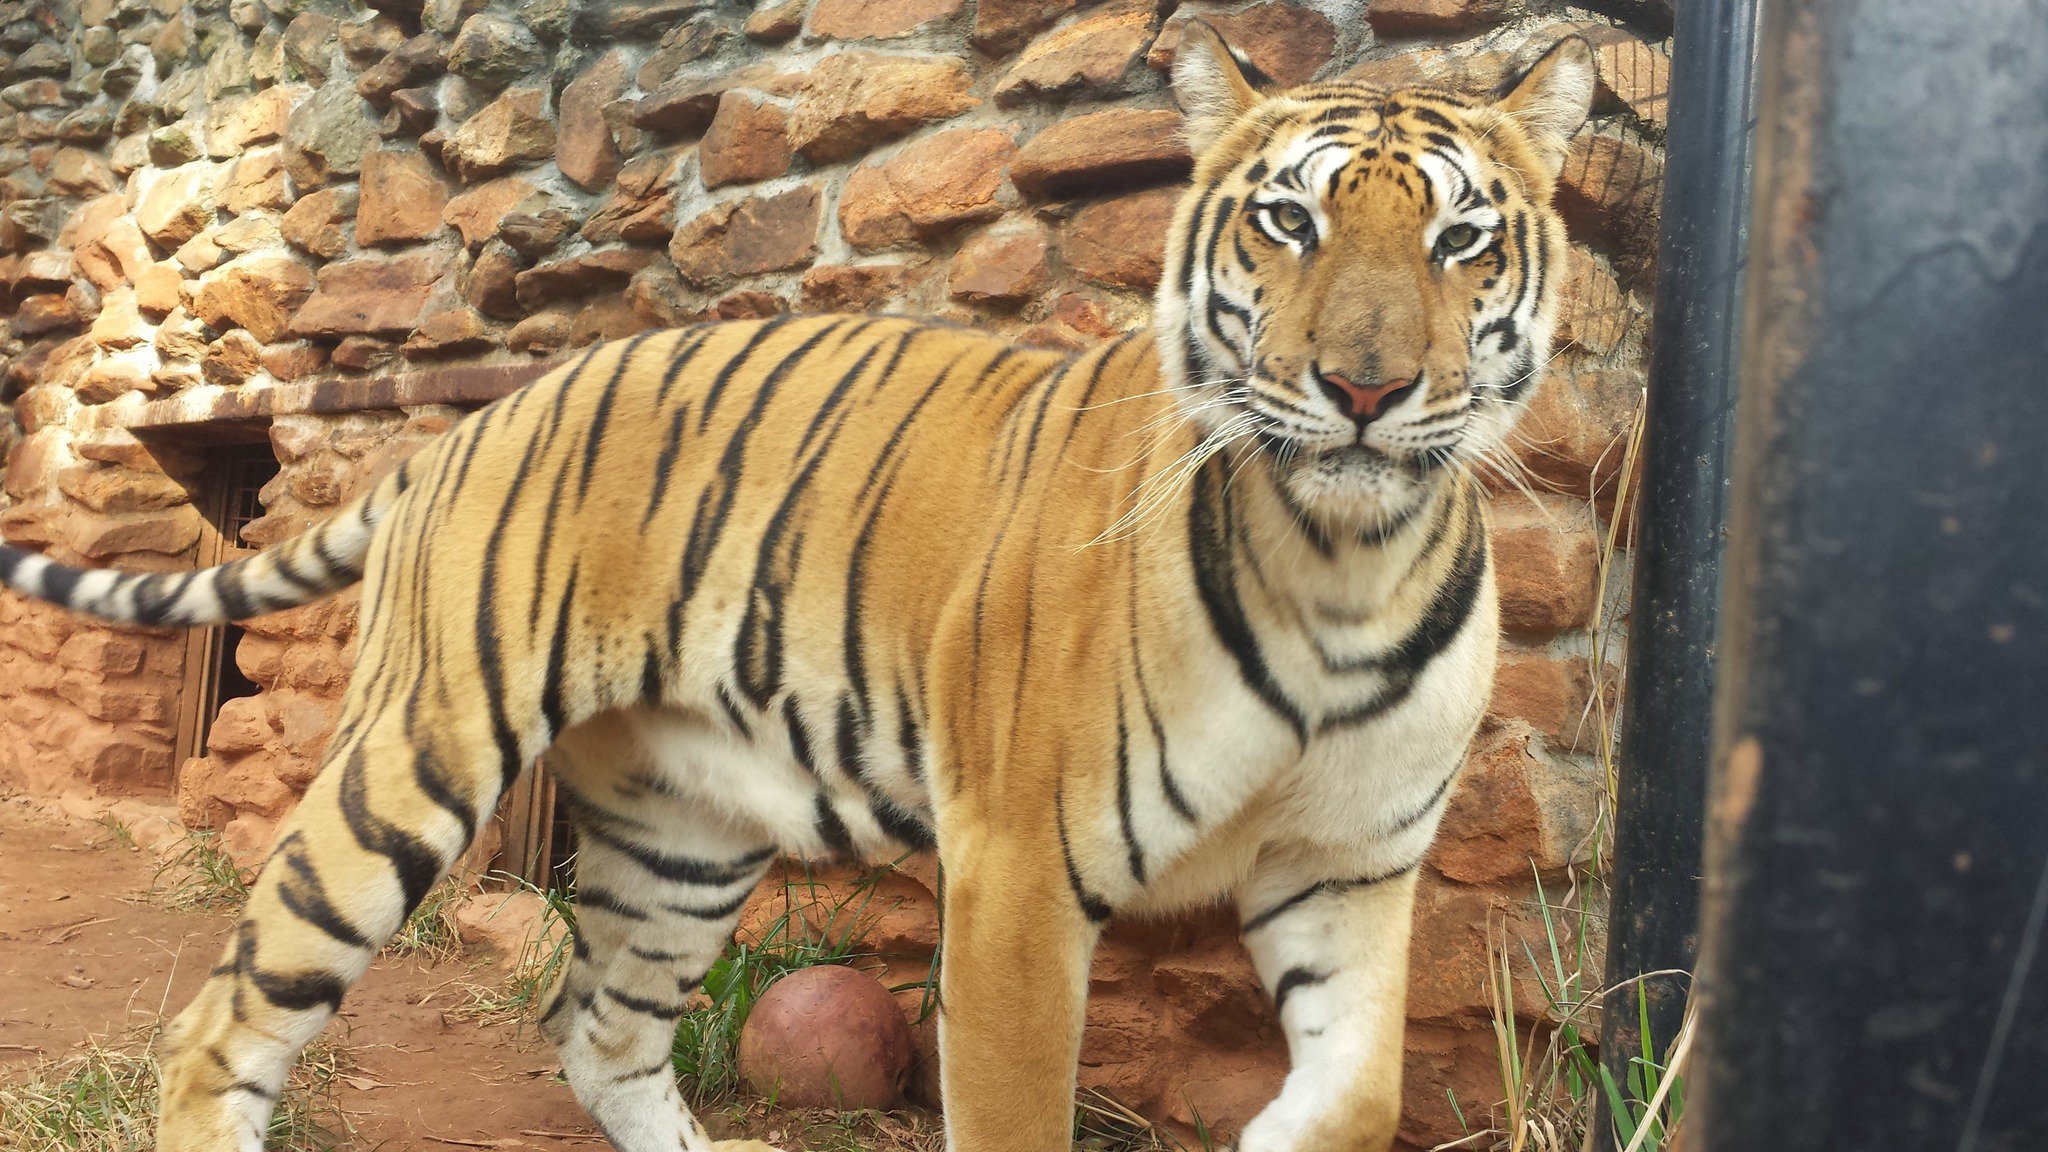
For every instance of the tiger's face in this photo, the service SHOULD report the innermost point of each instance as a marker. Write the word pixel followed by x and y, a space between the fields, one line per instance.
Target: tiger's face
pixel 1362 280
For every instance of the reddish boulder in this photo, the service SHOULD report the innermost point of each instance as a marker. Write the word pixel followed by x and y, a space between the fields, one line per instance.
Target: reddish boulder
pixel 1095 56
pixel 259 293
pixel 827 1037
pixel 369 296
pixel 877 19
pixel 1004 267
pixel 586 152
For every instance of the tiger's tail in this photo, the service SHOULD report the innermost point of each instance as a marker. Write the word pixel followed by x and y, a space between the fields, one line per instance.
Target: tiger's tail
pixel 298 571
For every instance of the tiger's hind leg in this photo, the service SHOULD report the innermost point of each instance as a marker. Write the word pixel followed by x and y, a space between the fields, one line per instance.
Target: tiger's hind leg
pixel 388 814
pixel 660 880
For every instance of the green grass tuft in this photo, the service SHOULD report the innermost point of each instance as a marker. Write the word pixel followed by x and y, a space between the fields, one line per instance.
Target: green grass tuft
pixel 103 1099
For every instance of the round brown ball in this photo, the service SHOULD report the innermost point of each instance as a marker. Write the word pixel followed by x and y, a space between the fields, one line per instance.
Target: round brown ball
pixel 827 1037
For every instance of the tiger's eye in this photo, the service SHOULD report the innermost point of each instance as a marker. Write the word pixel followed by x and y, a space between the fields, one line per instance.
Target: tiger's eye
pixel 1292 219
pixel 1456 238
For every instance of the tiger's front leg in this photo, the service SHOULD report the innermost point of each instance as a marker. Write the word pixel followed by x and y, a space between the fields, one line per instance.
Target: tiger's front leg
pixel 1013 992
pixel 1331 945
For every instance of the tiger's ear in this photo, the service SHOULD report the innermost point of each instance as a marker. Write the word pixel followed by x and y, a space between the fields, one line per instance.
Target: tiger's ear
pixel 1209 81
pixel 1552 99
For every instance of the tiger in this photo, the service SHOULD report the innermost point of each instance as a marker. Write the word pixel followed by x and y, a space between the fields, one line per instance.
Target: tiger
pixel 1204 613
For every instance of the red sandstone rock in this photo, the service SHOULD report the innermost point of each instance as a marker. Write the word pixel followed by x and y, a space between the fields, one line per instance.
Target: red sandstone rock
pixel 118 490
pixel 158 288
pixel 853 101
pixel 258 183
pixel 1287 41
pixel 1096 55
pixel 853 287
pixel 933 185
pixel 492 286
pixel 579 275
pixel 233 359
pixel 1633 75
pixel 1424 17
pixel 541 333
pixel 1002 26
pixel 120 323
pixel 774 24
pixel 451 330
pixel 1548 693
pixel 1121 242
pixel 585 152
pixel 177 205
pixel 76 172
pixel 113 377
pixel 315 224
pixel 507 132
pixel 684 105
pixel 478 212
pixel 401 199
pixel 1547 573
pixel 255 119
pixel 746 237
pixel 1609 194
pixel 877 19
pixel 259 293
pixel 169 532
pixel 827 1037
pixel 1100 150
pixel 369 295
pixel 748 140
pixel 1000 266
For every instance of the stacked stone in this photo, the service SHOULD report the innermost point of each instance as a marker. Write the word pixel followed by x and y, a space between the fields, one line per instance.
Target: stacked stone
pixel 202 200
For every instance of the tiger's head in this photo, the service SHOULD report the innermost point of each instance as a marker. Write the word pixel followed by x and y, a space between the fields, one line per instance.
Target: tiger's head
pixel 1362 279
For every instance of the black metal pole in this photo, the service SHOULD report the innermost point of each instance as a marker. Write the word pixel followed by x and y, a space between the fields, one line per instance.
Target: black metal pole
pixel 1872 974
pixel 1667 726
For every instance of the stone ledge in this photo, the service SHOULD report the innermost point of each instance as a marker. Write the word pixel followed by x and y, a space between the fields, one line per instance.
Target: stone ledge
pixel 455 384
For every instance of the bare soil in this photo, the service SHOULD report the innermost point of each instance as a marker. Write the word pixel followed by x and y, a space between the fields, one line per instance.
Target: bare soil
pixel 85 953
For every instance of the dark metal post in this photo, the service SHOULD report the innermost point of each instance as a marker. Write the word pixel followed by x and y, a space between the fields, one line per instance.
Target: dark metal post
pixel 1873 975
pixel 1667 729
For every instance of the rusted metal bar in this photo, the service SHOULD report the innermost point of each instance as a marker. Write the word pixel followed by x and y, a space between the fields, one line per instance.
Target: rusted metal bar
pixel 1873 975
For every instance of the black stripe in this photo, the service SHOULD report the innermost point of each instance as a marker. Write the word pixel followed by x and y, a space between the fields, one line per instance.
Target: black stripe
pixel 831 829
pixel 1133 851
pixel 1292 979
pixel 714 913
pixel 799 735
pixel 1210 552
pixel 907 738
pixel 302 892
pixel 732 710
pixel 644 1006
pixel 593 436
pixel 413 859
pixel 673 868
pixel 1092 906
pixel 606 900
pixel 553 706
pixel 1321 888
pixel 671 448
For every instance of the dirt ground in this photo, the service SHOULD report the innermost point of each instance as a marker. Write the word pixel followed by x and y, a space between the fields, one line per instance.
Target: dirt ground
pixel 84 953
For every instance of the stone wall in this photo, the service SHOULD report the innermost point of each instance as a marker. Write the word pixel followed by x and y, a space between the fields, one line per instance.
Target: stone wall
pixel 279 208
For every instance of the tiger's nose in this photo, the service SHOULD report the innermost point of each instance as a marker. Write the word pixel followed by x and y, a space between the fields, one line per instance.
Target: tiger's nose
pixel 1364 403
